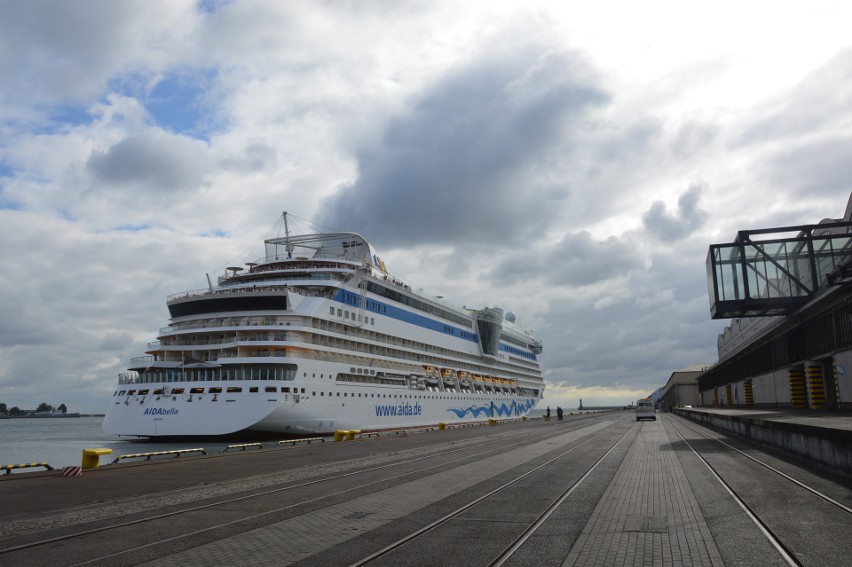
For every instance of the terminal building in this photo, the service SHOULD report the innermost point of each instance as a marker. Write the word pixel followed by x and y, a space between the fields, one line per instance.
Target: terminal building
pixel 681 389
pixel 788 293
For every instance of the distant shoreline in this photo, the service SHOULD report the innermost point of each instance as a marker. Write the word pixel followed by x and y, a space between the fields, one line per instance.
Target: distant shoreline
pixel 58 416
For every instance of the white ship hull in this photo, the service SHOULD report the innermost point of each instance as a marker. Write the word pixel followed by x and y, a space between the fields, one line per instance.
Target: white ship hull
pixel 308 346
pixel 281 414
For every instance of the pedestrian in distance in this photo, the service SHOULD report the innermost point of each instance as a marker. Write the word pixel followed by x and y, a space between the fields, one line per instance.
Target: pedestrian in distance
pixel 558 413
pixel 547 414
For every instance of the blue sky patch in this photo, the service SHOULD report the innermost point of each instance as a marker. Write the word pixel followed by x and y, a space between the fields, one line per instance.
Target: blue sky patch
pixel 9 205
pixel 211 6
pixel 218 233
pixel 177 103
pixel 70 115
pixel 132 227
pixel 6 170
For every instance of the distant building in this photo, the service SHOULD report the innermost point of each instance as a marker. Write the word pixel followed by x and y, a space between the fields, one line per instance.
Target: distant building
pixel 682 387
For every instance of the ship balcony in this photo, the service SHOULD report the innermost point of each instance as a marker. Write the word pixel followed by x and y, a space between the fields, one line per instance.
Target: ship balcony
pixel 226 324
pixel 224 342
pixel 294 276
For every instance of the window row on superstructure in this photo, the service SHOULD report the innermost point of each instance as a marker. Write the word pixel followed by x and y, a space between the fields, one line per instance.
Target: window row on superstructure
pixel 340 336
pixel 265 336
pixel 240 372
pixel 414 303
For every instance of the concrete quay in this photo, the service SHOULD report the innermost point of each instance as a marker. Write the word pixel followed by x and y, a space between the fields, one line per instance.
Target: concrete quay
pixel 822 436
pixel 594 489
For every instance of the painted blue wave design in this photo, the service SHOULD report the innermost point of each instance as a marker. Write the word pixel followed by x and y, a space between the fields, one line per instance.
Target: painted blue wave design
pixel 500 410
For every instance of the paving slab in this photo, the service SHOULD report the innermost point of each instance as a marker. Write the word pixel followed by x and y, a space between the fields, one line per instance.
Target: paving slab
pixel 648 515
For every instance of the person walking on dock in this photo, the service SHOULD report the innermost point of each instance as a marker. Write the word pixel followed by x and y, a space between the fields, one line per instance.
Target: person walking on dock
pixel 547 414
pixel 558 413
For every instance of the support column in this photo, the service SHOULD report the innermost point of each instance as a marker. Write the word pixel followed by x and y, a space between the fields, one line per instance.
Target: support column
pixel 729 396
pixel 749 394
pixel 816 386
pixel 798 394
pixel 832 387
pixel 715 397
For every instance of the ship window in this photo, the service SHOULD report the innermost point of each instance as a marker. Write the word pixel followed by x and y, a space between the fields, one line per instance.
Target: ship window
pixel 232 389
pixel 196 390
pixel 143 392
pixel 322 393
pixel 303 390
pixel 339 313
pixel 331 310
pixel 338 394
pixel 314 393
pixel 253 389
pixel 158 392
pixel 177 390
pixel 215 390
pixel 121 393
pixel 271 389
pixel 285 389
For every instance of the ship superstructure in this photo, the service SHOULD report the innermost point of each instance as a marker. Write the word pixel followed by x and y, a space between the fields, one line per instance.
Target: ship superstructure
pixel 317 336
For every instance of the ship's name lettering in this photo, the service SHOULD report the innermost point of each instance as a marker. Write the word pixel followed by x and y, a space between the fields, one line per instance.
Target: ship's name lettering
pixel 160 411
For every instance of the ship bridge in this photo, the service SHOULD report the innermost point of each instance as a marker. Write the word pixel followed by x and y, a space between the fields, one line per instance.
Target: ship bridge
pixel 776 271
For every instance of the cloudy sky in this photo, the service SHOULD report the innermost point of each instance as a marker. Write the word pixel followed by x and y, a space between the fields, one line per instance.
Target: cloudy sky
pixel 568 161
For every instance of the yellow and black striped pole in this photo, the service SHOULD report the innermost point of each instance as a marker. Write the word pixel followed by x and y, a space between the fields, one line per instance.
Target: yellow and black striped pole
pixel 748 389
pixel 798 395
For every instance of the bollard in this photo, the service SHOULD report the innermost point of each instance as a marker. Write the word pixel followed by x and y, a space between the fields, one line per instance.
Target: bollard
pixel 523 418
pixel 92 457
pixel 340 434
pixel 442 426
pixel 492 421
pixel 350 435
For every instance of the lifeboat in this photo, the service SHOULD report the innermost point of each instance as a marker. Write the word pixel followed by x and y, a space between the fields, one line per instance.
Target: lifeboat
pixel 450 378
pixel 432 376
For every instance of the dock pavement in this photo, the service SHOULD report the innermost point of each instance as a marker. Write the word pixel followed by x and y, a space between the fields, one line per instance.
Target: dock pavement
pixel 593 489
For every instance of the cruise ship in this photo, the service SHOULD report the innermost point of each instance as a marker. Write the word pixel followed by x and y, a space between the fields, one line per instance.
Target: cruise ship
pixel 317 336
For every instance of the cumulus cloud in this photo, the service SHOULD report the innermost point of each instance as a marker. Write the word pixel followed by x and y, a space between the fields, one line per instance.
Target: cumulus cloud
pixel 576 260
pixel 61 53
pixel 667 226
pixel 155 159
pixel 467 162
